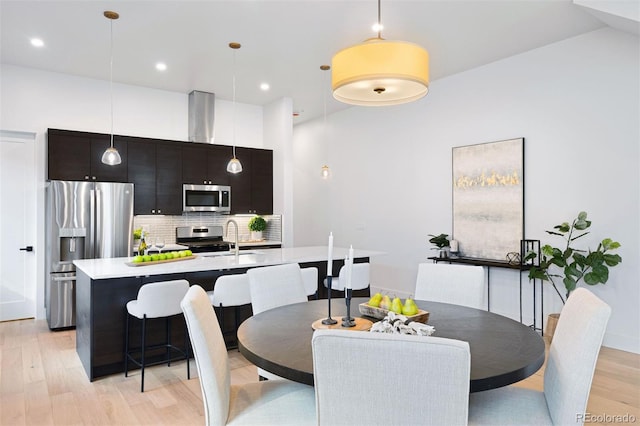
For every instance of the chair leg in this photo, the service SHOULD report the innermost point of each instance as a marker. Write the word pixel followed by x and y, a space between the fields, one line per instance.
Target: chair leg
pixel 143 347
pixel 168 325
pixel 236 313
pixel 126 348
pixel 187 343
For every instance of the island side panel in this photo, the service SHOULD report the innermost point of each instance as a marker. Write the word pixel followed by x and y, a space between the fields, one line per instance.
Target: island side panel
pixel 83 321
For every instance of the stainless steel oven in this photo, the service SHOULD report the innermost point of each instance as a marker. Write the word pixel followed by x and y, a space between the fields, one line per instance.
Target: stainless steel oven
pixel 206 198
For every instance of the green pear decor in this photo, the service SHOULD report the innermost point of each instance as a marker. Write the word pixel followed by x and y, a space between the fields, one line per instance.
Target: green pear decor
pixel 572 264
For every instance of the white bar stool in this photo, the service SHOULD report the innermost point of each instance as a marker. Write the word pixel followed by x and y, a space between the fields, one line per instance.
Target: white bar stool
pixel 230 291
pixel 310 279
pixel 156 300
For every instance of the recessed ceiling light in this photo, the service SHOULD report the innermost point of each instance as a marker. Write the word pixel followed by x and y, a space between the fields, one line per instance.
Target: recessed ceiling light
pixel 37 42
pixel 161 66
pixel 264 86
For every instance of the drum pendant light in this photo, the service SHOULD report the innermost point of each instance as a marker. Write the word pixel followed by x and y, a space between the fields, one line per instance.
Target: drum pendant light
pixel 325 172
pixel 111 155
pixel 234 165
pixel 380 72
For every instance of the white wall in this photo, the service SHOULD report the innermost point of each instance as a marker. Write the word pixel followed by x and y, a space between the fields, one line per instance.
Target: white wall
pixel 576 103
pixel 33 100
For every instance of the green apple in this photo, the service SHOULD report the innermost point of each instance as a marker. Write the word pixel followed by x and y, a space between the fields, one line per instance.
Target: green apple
pixel 182 253
pixel 188 252
pixel 155 256
pixel 146 258
pixel 137 259
pixel 162 256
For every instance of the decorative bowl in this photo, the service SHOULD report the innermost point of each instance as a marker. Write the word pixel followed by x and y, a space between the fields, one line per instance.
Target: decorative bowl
pixel 379 313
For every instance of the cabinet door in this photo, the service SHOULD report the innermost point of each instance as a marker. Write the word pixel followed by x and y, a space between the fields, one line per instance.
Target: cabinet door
pixel 194 163
pixel 218 157
pixel 241 183
pixel 169 178
pixel 142 173
pixel 102 172
pixel 262 181
pixel 68 155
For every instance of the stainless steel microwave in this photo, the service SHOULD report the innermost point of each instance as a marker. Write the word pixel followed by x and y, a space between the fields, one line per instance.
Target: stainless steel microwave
pixel 206 198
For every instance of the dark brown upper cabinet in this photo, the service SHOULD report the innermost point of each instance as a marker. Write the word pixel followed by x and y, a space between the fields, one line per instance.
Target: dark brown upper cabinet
pixel 155 169
pixel 252 189
pixel 204 164
pixel 78 156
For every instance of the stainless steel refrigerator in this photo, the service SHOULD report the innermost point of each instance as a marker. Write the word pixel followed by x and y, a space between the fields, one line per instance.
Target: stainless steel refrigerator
pixel 84 220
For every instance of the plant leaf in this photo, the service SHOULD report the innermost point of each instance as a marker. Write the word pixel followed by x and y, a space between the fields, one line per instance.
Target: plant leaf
pixel 612 259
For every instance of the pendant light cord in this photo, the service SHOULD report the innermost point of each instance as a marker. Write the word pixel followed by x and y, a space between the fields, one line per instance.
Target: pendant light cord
pixel 379 22
pixel 111 78
pixel 234 103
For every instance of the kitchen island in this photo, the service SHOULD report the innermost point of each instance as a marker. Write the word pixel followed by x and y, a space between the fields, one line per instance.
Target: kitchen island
pixel 104 286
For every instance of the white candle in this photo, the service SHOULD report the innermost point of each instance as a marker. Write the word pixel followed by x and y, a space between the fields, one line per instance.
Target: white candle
pixel 347 275
pixel 349 267
pixel 454 246
pixel 330 255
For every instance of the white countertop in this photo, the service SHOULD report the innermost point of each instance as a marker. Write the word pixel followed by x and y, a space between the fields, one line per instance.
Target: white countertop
pixel 117 268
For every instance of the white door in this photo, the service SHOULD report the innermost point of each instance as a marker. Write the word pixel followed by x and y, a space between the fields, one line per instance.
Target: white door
pixel 17 225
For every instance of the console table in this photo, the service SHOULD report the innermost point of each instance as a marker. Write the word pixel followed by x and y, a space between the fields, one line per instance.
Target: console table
pixel 490 263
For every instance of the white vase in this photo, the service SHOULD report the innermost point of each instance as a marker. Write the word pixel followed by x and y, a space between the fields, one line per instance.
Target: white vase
pixel 256 235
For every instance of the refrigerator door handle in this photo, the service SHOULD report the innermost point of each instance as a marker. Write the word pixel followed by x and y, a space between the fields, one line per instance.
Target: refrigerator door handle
pixel 92 224
pixel 99 231
pixel 67 278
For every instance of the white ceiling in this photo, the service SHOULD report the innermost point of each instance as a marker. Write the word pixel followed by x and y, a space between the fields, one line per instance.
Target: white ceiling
pixel 283 42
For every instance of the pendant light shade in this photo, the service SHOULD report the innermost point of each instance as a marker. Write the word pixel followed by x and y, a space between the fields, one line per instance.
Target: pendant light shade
pixel 234 166
pixel 111 156
pixel 380 72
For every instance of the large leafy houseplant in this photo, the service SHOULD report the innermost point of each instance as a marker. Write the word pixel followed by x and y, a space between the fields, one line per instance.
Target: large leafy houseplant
pixel 571 264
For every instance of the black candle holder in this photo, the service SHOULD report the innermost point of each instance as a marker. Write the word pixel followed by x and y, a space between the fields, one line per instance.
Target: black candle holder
pixel 348 321
pixel 329 320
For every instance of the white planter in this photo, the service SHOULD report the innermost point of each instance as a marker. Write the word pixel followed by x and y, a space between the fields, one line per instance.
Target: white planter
pixel 256 235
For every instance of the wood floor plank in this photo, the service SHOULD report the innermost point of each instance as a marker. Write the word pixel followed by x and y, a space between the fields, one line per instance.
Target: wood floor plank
pixel 42 382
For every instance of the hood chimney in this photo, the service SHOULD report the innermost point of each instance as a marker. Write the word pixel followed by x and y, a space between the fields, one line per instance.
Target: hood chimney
pixel 201 116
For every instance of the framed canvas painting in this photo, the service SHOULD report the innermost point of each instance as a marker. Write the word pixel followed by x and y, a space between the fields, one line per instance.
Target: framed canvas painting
pixel 488 198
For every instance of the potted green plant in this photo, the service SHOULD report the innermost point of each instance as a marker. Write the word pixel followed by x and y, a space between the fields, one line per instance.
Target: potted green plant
pixel 570 264
pixel 257 224
pixel 441 243
pixel 137 233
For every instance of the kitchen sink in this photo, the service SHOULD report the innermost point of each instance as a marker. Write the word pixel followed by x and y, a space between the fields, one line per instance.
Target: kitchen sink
pixel 230 253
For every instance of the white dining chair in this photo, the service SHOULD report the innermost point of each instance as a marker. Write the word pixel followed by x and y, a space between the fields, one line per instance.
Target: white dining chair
pixel 230 291
pixel 274 286
pixel 567 376
pixel 310 279
pixel 384 379
pixel 275 402
pixel 449 283
pixel 360 277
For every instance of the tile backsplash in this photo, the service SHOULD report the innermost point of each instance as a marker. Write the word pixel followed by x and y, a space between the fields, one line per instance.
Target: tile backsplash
pixel 164 227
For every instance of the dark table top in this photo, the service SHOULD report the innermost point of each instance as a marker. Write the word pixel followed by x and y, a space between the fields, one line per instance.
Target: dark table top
pixel 503 351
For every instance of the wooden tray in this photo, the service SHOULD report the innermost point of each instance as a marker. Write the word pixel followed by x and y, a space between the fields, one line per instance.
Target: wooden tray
pixel 371 311
pixel 155 262
pixel 362 324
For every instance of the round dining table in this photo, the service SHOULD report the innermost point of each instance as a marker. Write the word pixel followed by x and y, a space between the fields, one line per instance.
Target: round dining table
pixel 503 351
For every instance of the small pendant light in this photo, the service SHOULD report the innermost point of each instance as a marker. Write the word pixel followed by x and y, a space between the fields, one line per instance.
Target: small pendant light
pixel 111 155
pixel 234 165
pixel 325 172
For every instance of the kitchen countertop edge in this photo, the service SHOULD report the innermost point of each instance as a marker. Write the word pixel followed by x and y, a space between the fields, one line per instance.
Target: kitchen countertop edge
pixel 98 269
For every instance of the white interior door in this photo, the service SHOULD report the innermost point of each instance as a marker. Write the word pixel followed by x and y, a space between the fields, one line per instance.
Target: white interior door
pixel 17 225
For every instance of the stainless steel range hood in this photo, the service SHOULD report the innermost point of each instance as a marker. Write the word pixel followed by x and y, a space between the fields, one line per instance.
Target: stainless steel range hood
pixel 201 116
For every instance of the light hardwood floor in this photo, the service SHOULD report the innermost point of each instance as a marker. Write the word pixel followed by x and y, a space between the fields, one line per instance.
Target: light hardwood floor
pixel 43 383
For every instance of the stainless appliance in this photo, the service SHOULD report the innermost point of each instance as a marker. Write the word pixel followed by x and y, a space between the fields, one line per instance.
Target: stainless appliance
pixel 201 239
pixel 84 220
pixel 206 198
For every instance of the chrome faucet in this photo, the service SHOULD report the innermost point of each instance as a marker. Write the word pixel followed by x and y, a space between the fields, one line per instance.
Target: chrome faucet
pixel 231 221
